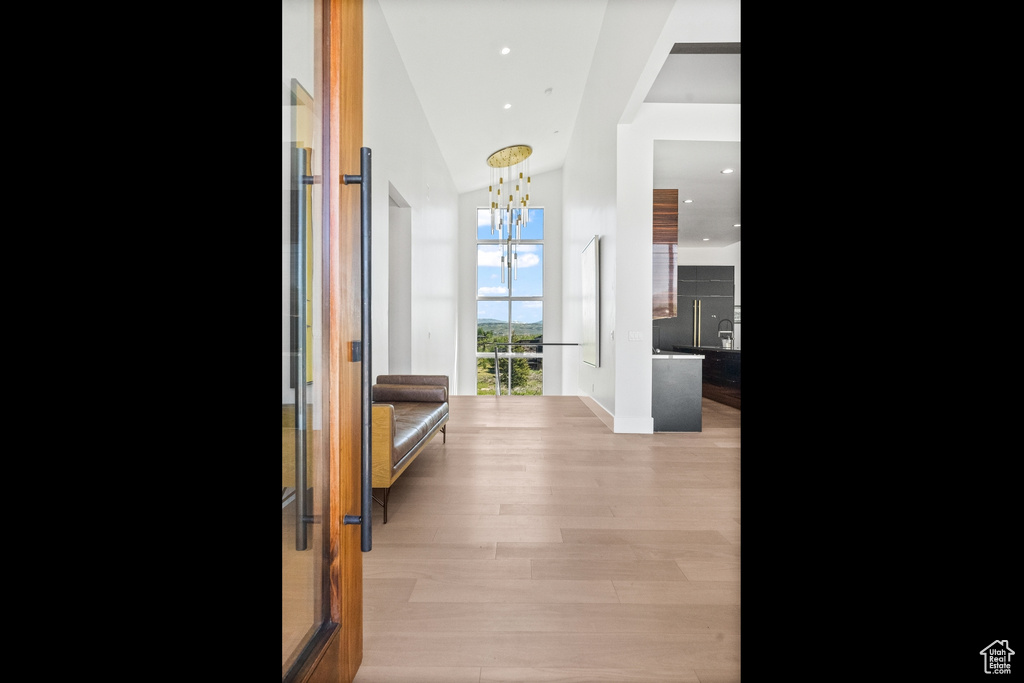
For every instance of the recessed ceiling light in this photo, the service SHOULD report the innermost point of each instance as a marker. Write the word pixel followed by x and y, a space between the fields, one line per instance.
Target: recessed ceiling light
pixel 508 106
pixel 687 201
pixel 706 239
pixel 505 50
pixel 726 170
pixel 736 225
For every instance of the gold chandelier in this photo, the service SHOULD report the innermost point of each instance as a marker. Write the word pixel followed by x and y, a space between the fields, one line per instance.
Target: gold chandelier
pixel 509 206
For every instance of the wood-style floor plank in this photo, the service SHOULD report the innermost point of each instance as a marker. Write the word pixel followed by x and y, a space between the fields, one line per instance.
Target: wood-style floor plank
pixel 569 675
pixel 537 545
pixel 397 616
pixel 631 651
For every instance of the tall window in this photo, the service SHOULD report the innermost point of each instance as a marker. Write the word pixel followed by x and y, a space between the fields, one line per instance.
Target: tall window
pixel 510 309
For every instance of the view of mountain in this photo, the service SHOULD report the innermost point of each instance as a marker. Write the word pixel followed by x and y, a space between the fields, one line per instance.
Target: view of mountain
pixel 500 327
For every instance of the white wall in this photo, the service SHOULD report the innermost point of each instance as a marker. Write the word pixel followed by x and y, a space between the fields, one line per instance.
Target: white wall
pixel 468 204
pixel 589 188
pixel 546 193
pixel 635 216
pixel 406 157
pixel 399 284
pixel 617 205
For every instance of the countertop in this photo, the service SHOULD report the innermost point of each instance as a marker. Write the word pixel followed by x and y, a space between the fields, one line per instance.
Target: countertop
pixel 703 349
pixel 676 356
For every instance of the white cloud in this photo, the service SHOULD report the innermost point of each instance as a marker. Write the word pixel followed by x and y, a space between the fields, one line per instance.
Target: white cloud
pixel 491 257
pixel 492 291
pixel 527 260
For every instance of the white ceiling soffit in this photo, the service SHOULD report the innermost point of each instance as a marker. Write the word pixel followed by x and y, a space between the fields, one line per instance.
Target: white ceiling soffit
pixel 701 73
pixel 452 52
pixel 706 73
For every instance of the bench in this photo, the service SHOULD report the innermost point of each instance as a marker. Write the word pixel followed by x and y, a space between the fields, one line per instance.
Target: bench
pixel 408 411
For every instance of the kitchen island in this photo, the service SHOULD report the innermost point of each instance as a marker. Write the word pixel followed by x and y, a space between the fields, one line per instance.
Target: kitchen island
pixel 676 392
pixel 720 373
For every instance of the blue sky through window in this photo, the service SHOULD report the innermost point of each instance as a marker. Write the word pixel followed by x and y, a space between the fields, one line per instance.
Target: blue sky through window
pixel 534 230
pixel 529 279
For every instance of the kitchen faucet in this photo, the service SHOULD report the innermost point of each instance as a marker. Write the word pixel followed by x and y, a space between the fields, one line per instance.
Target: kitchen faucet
pixel 726 336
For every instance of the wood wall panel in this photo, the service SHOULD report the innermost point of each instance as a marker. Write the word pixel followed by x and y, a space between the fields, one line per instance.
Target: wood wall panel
pixel 666 217
pixel 665 238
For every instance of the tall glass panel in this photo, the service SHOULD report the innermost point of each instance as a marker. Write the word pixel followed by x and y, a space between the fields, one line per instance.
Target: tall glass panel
pixel 528 370
pixel 528 321
pixel 534 228
pixel 529 276
pixel 302 377
pixel 491 278
pixel 491 326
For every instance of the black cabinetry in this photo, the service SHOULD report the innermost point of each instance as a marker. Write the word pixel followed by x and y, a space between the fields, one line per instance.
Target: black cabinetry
pixel 720 370
pixel 705 298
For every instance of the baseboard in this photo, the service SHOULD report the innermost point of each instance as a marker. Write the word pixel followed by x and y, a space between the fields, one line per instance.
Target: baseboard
pixel 634 425
pixel 619 425
pixel 599 410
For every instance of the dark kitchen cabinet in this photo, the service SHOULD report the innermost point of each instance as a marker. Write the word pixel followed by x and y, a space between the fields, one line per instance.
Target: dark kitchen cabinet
pixel 722 368
pixel 720 373
pixel 705 298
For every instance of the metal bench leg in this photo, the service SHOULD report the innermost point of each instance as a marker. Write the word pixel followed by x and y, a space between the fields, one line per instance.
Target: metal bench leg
pixel 384 502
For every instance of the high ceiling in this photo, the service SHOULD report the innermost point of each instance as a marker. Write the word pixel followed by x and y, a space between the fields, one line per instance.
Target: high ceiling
pixel 452 50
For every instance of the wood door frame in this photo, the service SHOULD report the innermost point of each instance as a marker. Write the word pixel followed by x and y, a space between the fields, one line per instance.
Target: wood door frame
pixel 336 653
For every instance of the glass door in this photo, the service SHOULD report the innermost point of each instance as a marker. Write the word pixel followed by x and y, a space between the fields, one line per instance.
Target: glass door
pixel 302 379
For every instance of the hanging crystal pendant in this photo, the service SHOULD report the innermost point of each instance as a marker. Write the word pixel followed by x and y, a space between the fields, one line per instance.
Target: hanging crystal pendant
pixel 511 210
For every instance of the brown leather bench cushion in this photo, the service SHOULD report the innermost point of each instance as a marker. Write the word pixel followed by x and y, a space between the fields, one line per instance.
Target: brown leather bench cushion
pixel 439 380
pixel 389 393
pixel 413 421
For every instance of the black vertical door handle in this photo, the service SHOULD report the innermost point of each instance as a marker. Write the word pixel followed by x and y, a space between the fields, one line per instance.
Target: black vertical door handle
pixel 363 180
pixel 300 216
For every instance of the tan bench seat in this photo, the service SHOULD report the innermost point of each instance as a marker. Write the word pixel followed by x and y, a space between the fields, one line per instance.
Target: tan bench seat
pixel 408 411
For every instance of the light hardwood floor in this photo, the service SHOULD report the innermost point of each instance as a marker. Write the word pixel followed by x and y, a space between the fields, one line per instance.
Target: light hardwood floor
pixel 537 545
